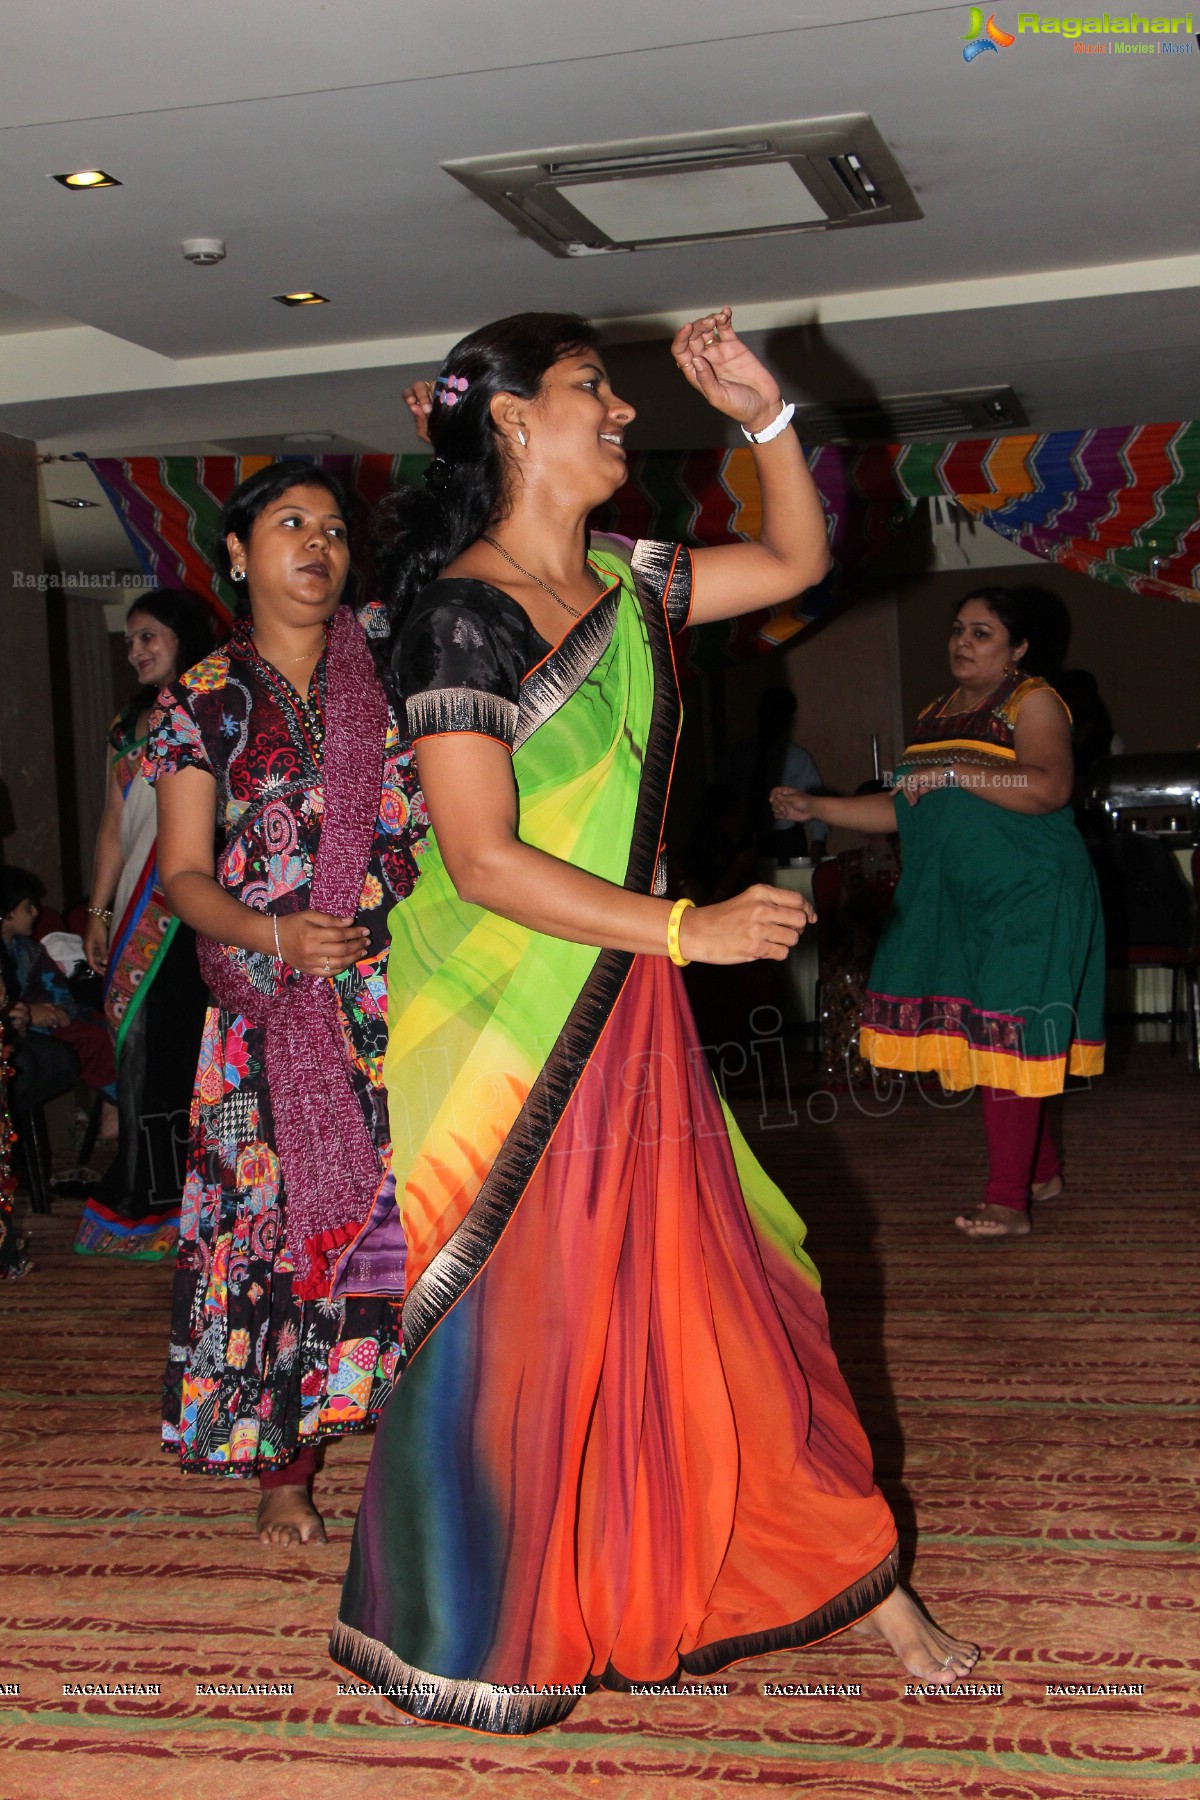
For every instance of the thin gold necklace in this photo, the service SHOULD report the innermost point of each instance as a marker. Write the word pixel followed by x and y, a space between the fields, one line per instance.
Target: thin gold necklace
pixel 537 580
pixel 287 662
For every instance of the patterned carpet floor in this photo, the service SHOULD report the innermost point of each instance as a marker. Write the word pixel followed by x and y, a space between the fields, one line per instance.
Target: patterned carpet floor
pixel 1035 1419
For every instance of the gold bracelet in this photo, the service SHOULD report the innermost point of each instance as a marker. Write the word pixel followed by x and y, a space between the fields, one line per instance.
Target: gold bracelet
pixel 673 924
pixel 101 912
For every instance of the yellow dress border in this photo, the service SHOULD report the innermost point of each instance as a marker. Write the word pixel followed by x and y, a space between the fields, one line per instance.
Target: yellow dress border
pixel 960 1066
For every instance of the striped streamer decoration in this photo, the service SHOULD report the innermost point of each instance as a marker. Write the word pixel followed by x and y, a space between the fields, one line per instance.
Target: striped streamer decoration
pixel 171 507
pixel 1121 504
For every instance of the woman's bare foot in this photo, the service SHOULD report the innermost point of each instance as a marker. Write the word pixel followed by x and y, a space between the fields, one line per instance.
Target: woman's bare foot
pixel 286 1516
pixel 993 1222
pixel 926 1652
pixel 1047 1190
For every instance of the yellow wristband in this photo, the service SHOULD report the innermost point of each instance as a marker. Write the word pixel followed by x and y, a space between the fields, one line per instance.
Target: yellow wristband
pixel 673 924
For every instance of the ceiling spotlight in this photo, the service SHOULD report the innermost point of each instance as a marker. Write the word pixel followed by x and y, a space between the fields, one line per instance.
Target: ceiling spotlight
pixel 75 501
pixel 87 178
pixel 305 297
pixel 203 251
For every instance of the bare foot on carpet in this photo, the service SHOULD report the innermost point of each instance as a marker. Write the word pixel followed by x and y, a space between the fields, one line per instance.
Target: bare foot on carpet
pixel 1047 1190
pixel 287 1516
pixel 993 1222
pixel 927 1652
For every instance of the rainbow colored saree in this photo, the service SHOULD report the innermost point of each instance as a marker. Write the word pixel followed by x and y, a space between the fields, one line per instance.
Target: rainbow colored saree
pixel 621 1449
pixel 154 1003
pixel 144 926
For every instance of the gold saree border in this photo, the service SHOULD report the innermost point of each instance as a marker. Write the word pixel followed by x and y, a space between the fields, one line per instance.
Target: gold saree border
pixel 515 1709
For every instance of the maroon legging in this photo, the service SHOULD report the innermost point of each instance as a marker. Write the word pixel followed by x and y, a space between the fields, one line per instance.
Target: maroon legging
pixel 298 1473
pixel 1021 1150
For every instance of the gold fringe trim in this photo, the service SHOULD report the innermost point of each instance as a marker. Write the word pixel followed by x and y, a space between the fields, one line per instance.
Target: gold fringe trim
pixel 462 709
pixel 477 1705
pixel 565 670
pixel 518 1708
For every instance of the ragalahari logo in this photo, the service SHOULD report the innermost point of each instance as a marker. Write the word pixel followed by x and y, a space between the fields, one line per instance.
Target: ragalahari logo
pixel 983 37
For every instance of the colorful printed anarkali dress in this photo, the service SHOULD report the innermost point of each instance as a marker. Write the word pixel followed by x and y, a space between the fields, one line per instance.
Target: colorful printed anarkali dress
pixel 621 1448
pixel 255 1373
pixel 990 971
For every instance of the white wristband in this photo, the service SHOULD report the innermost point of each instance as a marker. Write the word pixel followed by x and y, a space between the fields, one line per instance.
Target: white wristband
pixel 778 424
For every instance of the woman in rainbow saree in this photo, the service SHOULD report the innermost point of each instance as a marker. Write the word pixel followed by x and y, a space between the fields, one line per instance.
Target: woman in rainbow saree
pixel 154 995
pixel 621 1448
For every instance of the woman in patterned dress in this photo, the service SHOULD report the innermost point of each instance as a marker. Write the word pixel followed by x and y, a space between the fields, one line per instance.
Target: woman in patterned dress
pixel 276 743
pixel 154 996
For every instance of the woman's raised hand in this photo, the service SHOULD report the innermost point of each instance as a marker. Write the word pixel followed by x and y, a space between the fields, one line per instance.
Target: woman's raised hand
pixel 764 922
pixel 316 943
pixel 419 400
pixel 712 357
pixel 794 804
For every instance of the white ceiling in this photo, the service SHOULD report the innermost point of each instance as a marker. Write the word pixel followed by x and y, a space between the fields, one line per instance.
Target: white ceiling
pixel 1059 252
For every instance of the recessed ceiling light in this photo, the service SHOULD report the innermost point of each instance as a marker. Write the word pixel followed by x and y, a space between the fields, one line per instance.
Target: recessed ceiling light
pixel 309 437
pixel 305 298
pixel 75 502
pixel 88 178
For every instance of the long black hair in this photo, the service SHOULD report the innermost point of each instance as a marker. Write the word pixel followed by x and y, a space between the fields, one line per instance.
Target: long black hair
pixel 252 496
pixel 1031 615
pixel 418 530
pixel 189 618
pixel 16 885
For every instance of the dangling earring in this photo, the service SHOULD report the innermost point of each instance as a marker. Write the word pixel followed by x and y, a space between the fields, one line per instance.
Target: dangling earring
pixel 522 439
pixel 237 574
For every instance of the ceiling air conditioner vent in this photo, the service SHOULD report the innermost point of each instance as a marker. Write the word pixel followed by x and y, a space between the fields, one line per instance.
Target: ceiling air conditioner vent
pixel 902 418
pixel 749 181
pixel 856 179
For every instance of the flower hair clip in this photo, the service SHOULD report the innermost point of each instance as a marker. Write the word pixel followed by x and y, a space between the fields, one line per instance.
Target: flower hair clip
pixel 448 389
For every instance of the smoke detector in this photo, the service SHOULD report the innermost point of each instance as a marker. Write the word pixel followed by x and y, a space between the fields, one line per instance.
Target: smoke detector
pixel 203 251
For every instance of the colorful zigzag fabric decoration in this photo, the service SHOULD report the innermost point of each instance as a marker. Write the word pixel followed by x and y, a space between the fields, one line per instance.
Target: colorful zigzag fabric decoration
pixel 1121 504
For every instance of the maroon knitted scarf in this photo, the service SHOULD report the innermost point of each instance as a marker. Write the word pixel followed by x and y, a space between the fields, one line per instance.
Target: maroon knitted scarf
pixel 331 1166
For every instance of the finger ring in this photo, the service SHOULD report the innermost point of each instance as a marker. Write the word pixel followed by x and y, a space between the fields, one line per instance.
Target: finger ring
pixel 708 339
pixel 327 965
